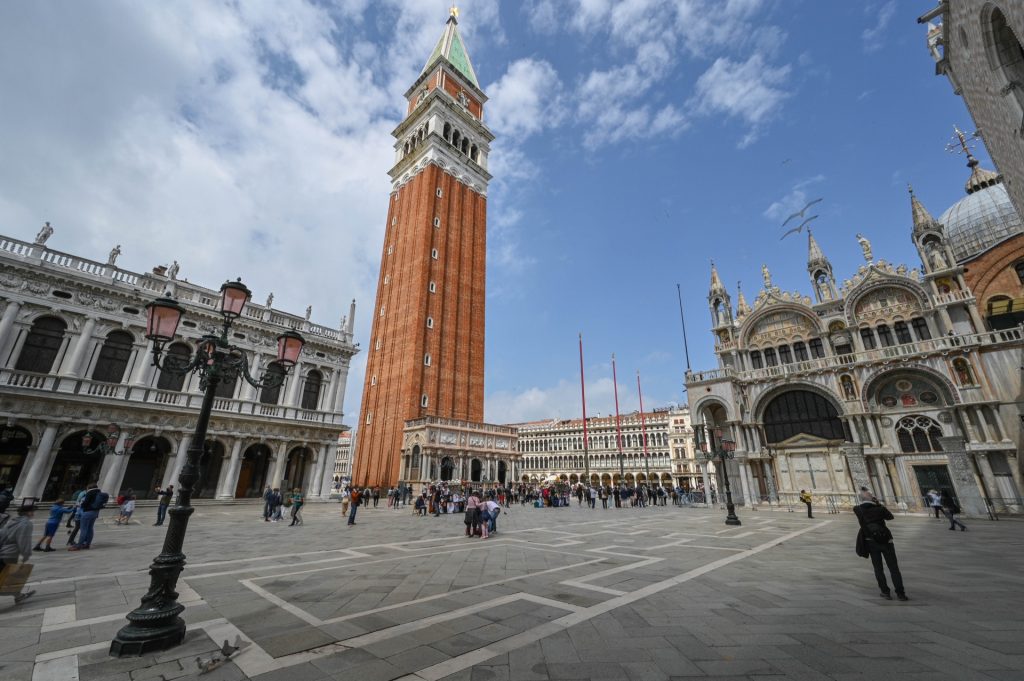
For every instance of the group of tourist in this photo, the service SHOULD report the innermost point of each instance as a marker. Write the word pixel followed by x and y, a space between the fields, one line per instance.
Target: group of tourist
pixel 274 501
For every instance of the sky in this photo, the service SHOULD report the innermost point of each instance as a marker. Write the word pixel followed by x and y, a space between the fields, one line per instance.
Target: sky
pixel 636 140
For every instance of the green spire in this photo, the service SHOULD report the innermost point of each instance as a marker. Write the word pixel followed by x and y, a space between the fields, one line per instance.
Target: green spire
pixel 451 47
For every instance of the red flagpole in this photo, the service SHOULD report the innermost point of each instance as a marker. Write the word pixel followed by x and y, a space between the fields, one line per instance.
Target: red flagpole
pixel 583 392
pixel 618 428
pixel 643 428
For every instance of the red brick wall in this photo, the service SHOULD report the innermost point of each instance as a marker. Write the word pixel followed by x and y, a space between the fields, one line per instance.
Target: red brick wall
pixel 454 382
pixel 992 274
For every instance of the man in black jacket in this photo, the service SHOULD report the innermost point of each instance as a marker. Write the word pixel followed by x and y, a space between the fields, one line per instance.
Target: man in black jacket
pixel 875 540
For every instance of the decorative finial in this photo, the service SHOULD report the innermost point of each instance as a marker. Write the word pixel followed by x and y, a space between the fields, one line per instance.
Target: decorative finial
pixel 454 11
pixel 959 145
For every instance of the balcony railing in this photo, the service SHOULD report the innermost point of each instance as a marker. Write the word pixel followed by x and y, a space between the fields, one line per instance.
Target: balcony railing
pixel 942 345
pixel 120 393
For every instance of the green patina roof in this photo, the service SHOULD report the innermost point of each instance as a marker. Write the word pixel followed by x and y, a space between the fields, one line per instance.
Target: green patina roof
pixel 451 47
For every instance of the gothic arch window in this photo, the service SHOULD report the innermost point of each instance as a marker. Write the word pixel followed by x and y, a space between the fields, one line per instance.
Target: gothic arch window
pixel 802 412
pixel 964 374
pixel 114 356
pixel 42 345
pixel 311 390
pixel 474 153
pixel 448 132
pixel 415 456
pixel 465 146
pixel 918 434
pixel 270 395
pixel 177 357
pixel 456 138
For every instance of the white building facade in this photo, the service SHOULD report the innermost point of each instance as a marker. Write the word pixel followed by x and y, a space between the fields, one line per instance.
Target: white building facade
pixel 555 449
pixel 343 458
pixel 76 373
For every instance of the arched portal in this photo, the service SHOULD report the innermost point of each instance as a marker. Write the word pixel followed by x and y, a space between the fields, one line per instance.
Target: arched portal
pixel 145 468
pixel 209 470
pixel 296 467
pixel 802 412
pixel 253 473
pixel 14 444
pixel 447 469
pixel 502 472
pixel 475 470
pixel 73 468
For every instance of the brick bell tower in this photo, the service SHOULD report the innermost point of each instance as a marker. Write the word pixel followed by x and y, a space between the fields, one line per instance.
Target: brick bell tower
pixel 426 354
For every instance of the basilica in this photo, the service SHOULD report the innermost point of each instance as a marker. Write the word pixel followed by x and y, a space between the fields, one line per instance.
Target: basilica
pixel 901 379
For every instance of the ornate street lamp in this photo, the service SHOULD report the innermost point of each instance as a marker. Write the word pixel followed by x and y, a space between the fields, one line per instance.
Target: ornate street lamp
pixel 726 450
pixel 156 624
pixel 107 445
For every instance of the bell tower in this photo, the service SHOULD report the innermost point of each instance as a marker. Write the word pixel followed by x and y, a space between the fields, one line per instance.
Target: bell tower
pixel 426 354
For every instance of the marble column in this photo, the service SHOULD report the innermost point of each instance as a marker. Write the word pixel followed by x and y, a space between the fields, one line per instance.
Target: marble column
pixel 339 400
pixel 707 483
pixel 857 465
pixel 37 465
pixel 143 366
pixel 7 322
pixel 279 463
pixel 987 477
pixel 174 470
pixel 226 489
pixel 73 364
pixel 961 470
pixel 248 390
pixel 114 465
pixel 294 380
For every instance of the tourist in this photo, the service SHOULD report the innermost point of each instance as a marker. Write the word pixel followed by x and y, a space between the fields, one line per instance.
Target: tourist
pixel 268 507
pixel 346 499
pixel 489 511
pixel 127 508
pixel 376 496
pixel 356 497
pixel 805 497
pixel 934 500
pixel 472 517
pixel 165 501
pixel 421 505
pixel 951 508
pixel 57 512
pixel 92 503
pixel 298 499
pixel 16 541
pixel 874 540
pixel 604 497
pixel 276 502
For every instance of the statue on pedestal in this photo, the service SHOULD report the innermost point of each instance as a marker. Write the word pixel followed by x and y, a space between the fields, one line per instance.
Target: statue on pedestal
pixel 45 233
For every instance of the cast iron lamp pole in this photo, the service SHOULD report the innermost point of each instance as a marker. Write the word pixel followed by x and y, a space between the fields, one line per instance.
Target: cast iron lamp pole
pixel 156 624
pixel 725 450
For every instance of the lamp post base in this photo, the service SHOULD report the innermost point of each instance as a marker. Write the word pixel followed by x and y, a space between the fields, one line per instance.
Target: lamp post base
pixel 732 520
pixel 136 641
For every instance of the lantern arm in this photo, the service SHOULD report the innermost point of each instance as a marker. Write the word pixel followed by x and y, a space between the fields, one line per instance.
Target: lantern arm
pixel 237 363
pixel 174 365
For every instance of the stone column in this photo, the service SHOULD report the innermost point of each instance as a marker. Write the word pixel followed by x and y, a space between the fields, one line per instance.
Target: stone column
pixel 857 465
pixel 961 470
pixel 741 468
pixel 144 366
pixel 294 379
pixel 226 489
pixel 248 390
pixel 37 465
pixel 987 477
pixel 72 364
pixel 707 483
pixel 7 322
pixel 177 461
pixel 279 463
pixel 982 426
pixel 342 381
pixel 114 465
pixel 321 478
pixel 885 478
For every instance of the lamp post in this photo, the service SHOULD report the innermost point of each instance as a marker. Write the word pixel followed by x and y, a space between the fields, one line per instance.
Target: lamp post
pixel 725 450
pixel 156 624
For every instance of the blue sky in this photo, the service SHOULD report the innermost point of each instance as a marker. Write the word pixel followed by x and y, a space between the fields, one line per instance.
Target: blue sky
pixel 636 140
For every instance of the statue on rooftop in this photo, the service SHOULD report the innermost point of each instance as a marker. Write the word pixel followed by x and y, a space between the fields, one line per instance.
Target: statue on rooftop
pixel 865 246
pixel 114 252
pixel 45 233
pixel 172 271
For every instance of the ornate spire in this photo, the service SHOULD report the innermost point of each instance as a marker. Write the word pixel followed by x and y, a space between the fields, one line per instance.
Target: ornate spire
pixel 451 48
pixel 980 178
pixel 742 308
pixel 923 220
pixel 717 287
pixel 815 257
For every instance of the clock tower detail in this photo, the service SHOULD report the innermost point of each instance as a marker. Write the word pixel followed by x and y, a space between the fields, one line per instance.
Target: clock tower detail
pixel 426 353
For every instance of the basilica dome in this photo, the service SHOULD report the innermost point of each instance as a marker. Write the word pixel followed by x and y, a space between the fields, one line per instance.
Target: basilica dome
pixel 983 218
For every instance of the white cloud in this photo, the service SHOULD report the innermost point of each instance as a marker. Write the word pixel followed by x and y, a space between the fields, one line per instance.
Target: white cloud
pixel 525 100
pixel 872 37
pixel 751 91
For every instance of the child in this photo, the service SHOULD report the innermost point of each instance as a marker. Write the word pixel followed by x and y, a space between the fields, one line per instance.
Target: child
pixel 127 508
pixel 57 512
pixel 421 505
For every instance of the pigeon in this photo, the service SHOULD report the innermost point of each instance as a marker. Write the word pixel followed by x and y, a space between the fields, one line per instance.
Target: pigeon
pixel 800 213
pixel 229 650
pixel 800 228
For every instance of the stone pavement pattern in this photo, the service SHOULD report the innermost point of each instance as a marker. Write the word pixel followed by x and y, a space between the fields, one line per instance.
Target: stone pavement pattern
pixel 557 594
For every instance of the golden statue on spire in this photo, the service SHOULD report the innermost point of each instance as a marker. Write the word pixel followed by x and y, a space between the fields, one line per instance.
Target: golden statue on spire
pixel 454 11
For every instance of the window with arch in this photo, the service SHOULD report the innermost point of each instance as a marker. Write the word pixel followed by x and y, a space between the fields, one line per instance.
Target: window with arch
pixel 802 411
pixel 769 357
pixel 41 346
pixel 920 327
pixel 785 355
pixel 800 351
pixel 311 390
pixel 430 322
pixel 867 337
pixel 226 388
pixel 918 434
pixel 424 400
pixel 114 356
pixel 176 356
pixel 1006 54
pixel 415 456
pixel 885 335
pixel 1019 269
pixel 817 348
pixel 433 253
pixel 272 395
pixel 902 332
pixel 426 360
pixel 432 287
pixel 964 374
